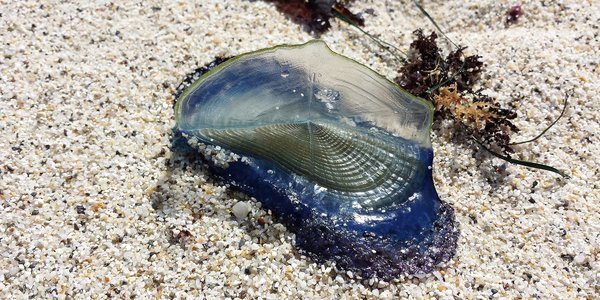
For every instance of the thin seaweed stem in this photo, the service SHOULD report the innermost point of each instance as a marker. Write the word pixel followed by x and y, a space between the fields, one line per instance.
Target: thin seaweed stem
pixel 383 44
pixel 446 81
pixel 522 162
pixel 562 113
pixel 424 12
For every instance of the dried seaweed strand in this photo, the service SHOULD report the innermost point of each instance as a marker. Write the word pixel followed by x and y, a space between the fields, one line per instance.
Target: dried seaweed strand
pixel 522 162
pixel 549 126
pixel 383 44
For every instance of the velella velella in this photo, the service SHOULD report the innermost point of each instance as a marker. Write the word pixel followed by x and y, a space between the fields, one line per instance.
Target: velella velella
pixel 340 154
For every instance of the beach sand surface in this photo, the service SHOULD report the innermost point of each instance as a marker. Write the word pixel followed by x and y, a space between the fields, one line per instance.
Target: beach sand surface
pixel 94 204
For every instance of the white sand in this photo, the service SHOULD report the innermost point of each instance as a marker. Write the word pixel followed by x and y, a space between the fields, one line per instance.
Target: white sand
pixel 85 114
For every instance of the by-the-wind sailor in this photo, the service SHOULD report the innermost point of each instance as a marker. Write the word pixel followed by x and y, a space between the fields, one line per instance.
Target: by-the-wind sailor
pixel 340 154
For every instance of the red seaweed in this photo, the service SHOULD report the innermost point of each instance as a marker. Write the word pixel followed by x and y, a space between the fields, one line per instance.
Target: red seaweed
pixel 315 14
pixel 448 82
pixel 513 14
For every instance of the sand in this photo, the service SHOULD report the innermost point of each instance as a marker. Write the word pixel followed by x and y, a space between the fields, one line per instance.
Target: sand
pixel 95 204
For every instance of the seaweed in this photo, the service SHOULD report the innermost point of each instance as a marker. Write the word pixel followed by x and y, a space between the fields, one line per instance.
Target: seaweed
pixel 315 14
pixel 448 82
pixel 513 14
pixel 428 16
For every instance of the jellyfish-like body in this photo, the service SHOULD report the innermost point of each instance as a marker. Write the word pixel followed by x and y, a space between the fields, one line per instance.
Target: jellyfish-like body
pixel 339 153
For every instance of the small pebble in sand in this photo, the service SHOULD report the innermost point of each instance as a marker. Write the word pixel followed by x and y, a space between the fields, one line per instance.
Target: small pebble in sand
pixel 241 210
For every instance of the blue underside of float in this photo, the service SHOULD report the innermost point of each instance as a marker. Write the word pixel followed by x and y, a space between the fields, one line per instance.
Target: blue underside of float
pixel 409 238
